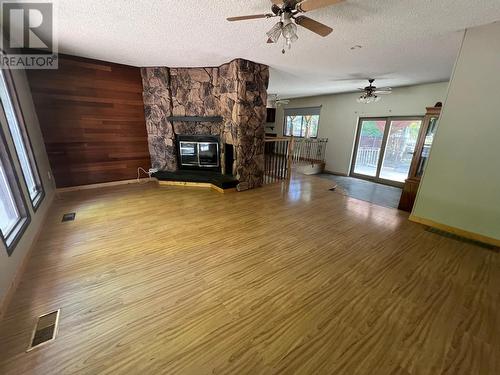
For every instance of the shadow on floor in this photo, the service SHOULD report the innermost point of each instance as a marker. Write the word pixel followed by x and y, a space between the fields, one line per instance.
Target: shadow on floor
pixel 382 195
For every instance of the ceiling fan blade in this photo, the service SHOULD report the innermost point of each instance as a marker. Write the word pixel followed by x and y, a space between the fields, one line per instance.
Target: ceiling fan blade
pixel 277 2
pixel 382 92
pixel 308 5
pixel 252 17
pixel 314 26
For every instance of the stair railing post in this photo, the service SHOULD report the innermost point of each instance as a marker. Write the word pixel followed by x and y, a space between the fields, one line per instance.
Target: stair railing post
pixel 291 144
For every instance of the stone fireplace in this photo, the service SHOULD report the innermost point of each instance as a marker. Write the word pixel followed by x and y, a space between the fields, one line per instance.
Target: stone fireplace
pixel 227 103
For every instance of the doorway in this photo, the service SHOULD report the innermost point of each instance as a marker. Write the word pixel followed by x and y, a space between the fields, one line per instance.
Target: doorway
pixel 384 148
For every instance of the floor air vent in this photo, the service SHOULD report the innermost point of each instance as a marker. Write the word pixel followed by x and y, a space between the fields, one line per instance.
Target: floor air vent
pixel 459 238
pixel 68 217
pixel 45 329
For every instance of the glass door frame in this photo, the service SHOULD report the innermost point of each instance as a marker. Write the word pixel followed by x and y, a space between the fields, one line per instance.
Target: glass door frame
pixel 387 128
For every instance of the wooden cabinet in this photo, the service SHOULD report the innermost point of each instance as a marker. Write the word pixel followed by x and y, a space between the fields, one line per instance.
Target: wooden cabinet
pixel 420 158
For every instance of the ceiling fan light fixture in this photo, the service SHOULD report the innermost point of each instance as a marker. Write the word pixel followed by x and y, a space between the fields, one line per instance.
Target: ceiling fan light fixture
pixel 286 28
pixel 290 32
pixel 368 98
pixel 361 99
pixel 275 33
pixel 369 93
pixel 288 11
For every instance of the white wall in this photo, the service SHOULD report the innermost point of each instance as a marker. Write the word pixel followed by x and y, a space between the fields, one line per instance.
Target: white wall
pixel 10 265
pixel 340 114
pixel 461 184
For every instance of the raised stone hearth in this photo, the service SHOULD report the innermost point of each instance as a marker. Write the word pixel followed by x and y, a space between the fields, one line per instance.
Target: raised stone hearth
pixel 236 91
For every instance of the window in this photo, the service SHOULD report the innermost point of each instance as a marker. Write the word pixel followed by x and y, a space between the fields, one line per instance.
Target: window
pixel 13 212
pixel 15 121
pixel 301 122
pixel 10 214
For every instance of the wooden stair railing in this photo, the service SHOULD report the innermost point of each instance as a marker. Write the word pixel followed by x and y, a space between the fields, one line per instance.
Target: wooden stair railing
pixel 283 153
pixel 278 154
pixel 309 151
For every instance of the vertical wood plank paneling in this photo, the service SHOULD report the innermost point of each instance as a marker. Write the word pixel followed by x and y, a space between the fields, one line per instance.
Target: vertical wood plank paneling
pixel 92 118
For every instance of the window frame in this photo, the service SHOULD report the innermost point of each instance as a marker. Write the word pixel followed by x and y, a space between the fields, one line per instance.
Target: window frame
pixel 25 138
pixel 12 239
pixel 305 111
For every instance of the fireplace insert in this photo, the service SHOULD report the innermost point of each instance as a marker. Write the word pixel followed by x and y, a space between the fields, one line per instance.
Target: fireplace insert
pixel 198 152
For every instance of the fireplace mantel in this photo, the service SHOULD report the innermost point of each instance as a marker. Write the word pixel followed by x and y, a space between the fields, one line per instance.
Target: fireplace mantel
pixel 195 118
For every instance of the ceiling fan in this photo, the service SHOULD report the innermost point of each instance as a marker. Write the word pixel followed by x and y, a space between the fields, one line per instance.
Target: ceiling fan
pixel 280 102
pixel 273 101
pixel 289 12
pixel 371 93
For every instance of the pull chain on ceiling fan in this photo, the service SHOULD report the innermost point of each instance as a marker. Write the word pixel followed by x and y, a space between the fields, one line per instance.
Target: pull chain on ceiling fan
pixel 288 11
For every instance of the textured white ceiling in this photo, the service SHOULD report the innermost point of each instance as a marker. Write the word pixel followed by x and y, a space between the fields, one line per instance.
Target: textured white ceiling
pixel 404 41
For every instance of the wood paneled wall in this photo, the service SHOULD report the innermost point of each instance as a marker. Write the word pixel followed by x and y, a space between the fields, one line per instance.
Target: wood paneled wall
pixel 92 119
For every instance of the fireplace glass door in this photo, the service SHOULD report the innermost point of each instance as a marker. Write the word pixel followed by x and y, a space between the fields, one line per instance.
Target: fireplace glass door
pixel 199 154
pixel 189 153
pixel 208 154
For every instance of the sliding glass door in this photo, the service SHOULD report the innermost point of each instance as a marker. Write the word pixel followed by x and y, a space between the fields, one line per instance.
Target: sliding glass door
pixel 368 147
pixel 384 149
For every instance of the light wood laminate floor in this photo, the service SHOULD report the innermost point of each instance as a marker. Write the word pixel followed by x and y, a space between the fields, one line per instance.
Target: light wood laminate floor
pixel 302 280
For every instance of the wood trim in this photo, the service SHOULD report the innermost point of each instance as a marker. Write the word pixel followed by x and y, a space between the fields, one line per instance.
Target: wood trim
pixel 431 112
pixel 184 183
pixel 196 184
pixel 105 184
pixel 277 139
pixel 195 118
pixel 4 303
pixel 289 161
pixel 459 232
pixel 223 191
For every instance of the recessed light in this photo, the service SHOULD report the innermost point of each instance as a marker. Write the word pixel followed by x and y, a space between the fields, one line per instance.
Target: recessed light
pixel 357 46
